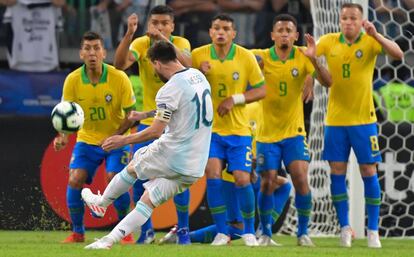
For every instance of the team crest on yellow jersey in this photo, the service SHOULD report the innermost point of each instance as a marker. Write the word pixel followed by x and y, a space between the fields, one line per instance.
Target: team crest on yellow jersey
pixel 236 75
pixel 295 72
pixel 108 97
pixel 358 53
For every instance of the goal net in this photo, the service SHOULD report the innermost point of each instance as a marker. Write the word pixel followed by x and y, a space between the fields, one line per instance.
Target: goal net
pixel 394 97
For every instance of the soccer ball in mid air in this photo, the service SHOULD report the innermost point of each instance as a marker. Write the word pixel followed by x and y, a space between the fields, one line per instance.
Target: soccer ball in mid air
pixel 67 117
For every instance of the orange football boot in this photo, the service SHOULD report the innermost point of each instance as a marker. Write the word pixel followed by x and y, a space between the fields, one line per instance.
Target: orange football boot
pixel 74 238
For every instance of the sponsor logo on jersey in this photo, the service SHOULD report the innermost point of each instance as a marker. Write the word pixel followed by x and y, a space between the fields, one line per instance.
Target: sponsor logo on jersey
pixel 375 154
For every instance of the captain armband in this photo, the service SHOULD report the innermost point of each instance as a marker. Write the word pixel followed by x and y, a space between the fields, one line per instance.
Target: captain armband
pixel 163 115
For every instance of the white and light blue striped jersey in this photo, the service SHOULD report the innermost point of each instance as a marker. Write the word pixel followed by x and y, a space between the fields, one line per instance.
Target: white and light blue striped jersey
pixel 186 141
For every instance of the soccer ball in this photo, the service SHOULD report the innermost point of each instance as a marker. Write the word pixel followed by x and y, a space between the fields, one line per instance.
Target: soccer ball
pixel 67 117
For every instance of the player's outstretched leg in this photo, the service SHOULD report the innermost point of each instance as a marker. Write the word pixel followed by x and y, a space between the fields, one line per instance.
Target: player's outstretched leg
pixel 121 205
pixel 130 223
pixel 176 236
pixel 170 237
pixel 93 201
pixel 120 184
pixel 159 190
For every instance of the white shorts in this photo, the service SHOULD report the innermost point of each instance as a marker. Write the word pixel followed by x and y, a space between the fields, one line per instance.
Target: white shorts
pixel 163 183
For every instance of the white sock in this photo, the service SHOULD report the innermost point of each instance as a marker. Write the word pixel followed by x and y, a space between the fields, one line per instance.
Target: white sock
pixel 119 184
pixel 132 222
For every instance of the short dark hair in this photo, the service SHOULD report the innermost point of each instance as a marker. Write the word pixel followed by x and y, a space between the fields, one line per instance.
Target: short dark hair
pixel 89 36
pixel 353 5
pixel 285 17
pixel 162 9
pixel 223 17
pixel 162 51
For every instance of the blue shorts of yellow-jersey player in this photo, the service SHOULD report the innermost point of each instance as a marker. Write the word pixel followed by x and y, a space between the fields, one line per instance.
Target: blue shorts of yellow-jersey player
pixel 141 127
pixel 271 155
pixel 362 138
pixel 89 157
pixel 236 151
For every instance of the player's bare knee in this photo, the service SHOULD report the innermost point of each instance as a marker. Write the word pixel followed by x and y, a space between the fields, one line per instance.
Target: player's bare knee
pixel 280 181
pixel 213 173
pixel 77 178
pixel 213 168
pixel 301 185
pixel 338 168
pixel 368 170
pixel 241 178
pixel 268 182
pixel 75 183
pixel 266 186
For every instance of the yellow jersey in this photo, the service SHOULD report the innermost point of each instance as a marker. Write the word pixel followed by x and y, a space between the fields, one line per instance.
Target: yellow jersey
pixel 283 105
pixel 104 104
pixel 228 77
pixel 151 83
pixel 351 66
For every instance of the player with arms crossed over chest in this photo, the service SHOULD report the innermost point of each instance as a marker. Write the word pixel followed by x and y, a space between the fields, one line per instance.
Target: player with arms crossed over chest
pixel 174 161
pixel 282 135
pixel 106 97
pixel 230 69
pixel 350 121
pixel 160 26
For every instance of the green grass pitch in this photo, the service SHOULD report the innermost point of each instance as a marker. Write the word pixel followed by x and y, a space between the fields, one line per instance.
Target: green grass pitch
pixel 46 243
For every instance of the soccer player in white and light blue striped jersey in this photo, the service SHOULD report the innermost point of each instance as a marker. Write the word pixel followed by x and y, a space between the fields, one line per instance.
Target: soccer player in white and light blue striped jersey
pixel 171 163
